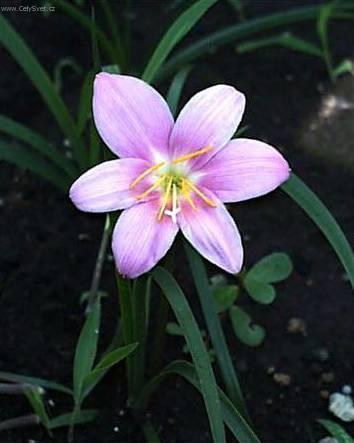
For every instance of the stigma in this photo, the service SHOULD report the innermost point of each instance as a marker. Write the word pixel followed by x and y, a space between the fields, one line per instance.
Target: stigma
pixel 173 186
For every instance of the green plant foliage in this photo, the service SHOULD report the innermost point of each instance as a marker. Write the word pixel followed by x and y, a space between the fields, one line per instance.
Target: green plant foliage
pixel 174 34
pixel 196 346
pixel 247 332
pixel 225 297
pixel 82 417
pixel 86 350
pixel 270 269
pixel 336 431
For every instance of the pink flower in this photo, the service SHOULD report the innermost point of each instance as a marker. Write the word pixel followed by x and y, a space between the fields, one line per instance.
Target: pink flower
pixel 173 175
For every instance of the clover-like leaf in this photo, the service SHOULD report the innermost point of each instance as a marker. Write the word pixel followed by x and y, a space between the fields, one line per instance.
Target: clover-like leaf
pixel 261 292
pixel 225 297
pixel 272 268
pixel 247 332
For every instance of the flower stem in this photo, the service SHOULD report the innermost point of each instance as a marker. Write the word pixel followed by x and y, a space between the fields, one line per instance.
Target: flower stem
pixel 96 278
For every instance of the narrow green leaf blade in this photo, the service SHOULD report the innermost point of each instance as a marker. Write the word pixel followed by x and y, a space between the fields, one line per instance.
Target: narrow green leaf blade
pixel 239 31
pixel 175 33
pixel 109 360
pixel 196 346
pixel 325 221
pixel 35 381
pixel 35 398
pixel 19 50
pixel 81 417
pixel 37 142
pixel 336 431
pixel 215 329
pixel 175 89
pixel 285 40
pixel 247 332
pixel 25 158
pixel 86 349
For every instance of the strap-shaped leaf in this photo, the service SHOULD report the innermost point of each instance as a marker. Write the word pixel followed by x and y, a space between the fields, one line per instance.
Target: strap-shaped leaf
pixel 174 34
pixel 86 350
pixel 37 142
pixel 321 216
pixel 214 328
pixel 25 158
pixel 23 55
pixel 196 346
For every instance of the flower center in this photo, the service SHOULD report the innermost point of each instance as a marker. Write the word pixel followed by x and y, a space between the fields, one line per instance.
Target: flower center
pixel 173 186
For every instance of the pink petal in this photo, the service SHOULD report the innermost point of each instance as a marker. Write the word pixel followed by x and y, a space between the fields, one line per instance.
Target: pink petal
pixel 140 240
pixel 106 187
pixel 210 118
pixel 131 117
pixel 213 232
pixel 244 169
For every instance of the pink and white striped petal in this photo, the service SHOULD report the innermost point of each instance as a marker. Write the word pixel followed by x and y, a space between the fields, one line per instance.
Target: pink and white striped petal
pixel 131 117
pixel 140 240
pixel 210 118
pixel 106 187
pixel 244 169
pixel 213 233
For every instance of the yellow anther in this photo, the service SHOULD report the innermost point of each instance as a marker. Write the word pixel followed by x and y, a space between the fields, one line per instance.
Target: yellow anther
pixel 152 188
pixel 165 199
pixel 192 155
pixel 146 173
pixel 187 195
pixel 200 194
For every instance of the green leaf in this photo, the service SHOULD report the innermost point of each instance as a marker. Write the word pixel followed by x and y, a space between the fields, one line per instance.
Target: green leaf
pixel 336 431
pixel 19 50
pixel 215 329
pixel 247 332
pixel 325 221
pixel 34 396
pixel 172 37
pixel 151 436
pixel 261 292
pixel 87 23
pixel 109 360
pixel 175 90
pixel 196 346
pixel 86 350
pixel 64 63
pixel 38 143
pixel 232 417
pixel 25 158
pixel 286 40
pixel 174 329
pixel 272 269
pixel 325 13
pixel 41 382
pixel 225 297
pixel 111 69
pixel 85 103
pixel 81 417
pixel 344 67
pixel 210 42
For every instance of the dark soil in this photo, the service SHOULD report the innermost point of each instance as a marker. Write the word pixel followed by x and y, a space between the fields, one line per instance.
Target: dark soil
pixel 48 248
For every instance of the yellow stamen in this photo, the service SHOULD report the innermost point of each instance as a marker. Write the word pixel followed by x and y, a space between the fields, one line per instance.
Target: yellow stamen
pixel 165 199
pixel 192 155
pixel 187 195
pixel 200 194
pixel 146 173
pixel 152 188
